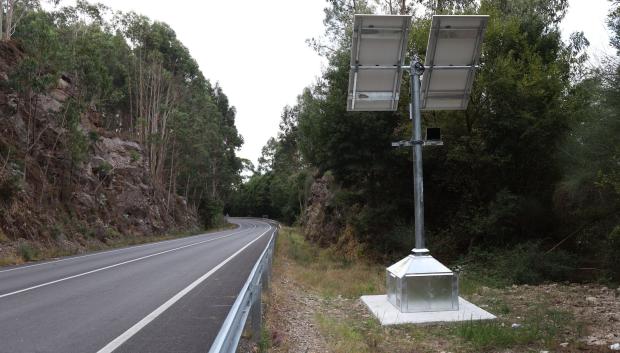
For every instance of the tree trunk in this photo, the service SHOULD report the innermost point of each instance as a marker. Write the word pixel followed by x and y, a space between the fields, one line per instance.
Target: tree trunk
pixel 1 14
pixel 9 20
pixel 403 7
pixel 170 183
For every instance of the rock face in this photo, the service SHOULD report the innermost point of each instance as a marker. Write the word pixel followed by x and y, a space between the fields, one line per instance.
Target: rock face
pixel 322 221
pixel 48 197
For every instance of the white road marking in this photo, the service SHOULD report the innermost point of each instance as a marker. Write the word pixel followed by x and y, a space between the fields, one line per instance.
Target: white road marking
pixel 118 341
pixel 106 252
pixel 115 265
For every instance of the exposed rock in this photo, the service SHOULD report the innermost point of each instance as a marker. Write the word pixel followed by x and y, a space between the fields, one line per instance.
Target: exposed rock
pixel 66 202
pixel 322 221
pixel 48 103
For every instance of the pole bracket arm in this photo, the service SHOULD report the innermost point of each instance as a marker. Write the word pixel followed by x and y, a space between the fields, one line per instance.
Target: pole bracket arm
pixel 406 143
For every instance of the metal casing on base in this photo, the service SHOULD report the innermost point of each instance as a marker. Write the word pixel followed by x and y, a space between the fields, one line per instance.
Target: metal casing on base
pixel 420 283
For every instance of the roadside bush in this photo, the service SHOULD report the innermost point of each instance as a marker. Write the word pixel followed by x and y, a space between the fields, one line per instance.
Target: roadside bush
pixel 27 251
pixel 611 258
pixel 300 250
pixel 525 263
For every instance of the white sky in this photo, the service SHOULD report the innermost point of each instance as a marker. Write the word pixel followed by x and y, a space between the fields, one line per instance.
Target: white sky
pixel 256 49
pixel 590 17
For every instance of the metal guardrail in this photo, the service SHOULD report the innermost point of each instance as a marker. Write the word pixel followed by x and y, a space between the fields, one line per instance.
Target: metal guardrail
pixel 248 303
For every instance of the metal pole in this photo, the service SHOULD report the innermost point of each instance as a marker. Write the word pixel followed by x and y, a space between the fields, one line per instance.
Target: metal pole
pixel 418 188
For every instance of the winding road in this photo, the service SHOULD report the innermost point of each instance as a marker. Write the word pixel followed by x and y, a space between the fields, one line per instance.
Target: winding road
pixel 169 296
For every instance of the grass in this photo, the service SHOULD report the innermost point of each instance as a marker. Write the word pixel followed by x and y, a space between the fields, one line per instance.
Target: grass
pixel 541 325
pixel 28 251
pixel 347 328
pixel 264 342
pixel 470 282
pixel 344 336
pixel 10 260
pixel 326 272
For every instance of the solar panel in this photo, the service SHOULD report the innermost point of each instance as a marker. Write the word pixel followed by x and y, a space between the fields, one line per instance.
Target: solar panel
pixel 452 56
pixel 379 44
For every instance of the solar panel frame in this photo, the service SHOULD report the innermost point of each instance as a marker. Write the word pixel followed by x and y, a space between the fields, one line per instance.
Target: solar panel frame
pixel 452 56
pixel 379 45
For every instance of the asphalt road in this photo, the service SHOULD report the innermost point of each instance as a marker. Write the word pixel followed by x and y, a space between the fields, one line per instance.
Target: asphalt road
pixel 170 296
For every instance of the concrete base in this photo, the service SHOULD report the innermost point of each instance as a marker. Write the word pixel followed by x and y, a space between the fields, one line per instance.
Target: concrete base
pixel 389 315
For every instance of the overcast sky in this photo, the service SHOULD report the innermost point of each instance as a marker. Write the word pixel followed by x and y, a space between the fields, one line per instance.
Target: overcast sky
pixel 256 49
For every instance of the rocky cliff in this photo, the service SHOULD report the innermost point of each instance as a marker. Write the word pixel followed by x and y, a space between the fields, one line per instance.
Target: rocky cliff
pixel 51 199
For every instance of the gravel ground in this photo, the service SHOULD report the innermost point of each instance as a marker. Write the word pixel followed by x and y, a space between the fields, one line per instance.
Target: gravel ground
pixel 596 310
pixel 291 316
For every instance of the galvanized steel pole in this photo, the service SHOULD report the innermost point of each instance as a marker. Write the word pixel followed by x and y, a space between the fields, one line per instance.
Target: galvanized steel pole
pixel 418 188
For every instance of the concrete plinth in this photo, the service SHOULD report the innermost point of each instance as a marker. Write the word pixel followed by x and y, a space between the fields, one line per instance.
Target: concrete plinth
pixel 389 315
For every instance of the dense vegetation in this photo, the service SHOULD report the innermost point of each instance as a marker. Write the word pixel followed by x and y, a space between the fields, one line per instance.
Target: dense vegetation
pixel 529 173
pixel 143 85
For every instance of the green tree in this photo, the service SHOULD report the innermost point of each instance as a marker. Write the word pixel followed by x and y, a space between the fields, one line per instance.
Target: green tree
pixel 142 83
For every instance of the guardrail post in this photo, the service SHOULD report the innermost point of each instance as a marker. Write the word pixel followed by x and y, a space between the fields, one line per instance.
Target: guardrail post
pixel 256 313
pixel 266 275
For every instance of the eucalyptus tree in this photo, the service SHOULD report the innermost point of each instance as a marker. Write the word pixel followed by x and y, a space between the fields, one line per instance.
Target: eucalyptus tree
pixel 144 84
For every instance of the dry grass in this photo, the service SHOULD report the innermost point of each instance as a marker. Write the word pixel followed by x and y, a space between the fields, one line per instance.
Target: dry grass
pixel 10 260
pixel 24 251
pixel 3 237
pixel 324 271
pixel 343 336
pixel 347 326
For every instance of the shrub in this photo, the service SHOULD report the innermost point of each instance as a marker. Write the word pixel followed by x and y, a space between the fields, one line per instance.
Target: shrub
pixel 9 188
pixel 93 136
pixel 525 263
pixel 613 249
pixel 57 232
pixel 265 341
pixel 211 213
pixel 103 171
pixel 134 155
pixel 27 251
pixel 300 250
pixel 78 145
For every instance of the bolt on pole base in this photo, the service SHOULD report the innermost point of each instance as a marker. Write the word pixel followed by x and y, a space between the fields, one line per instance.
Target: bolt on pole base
pixel 420 252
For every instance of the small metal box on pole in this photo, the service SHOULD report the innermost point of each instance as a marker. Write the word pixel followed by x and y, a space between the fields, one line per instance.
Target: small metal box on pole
pixel 417 283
